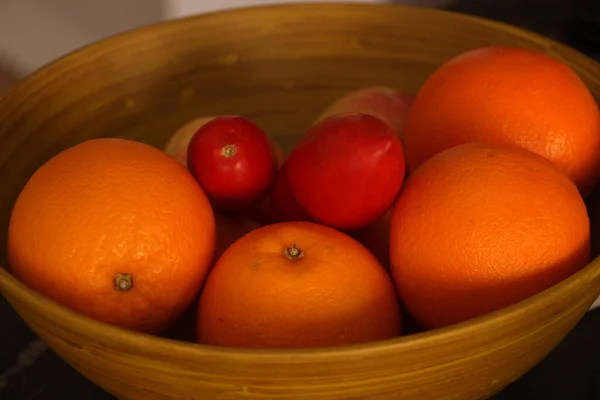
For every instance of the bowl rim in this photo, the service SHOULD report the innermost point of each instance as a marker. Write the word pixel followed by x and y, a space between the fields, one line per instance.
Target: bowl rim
pixel 156 345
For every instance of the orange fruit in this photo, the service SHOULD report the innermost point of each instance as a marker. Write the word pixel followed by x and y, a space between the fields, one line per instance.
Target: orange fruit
pixel 114 229
pixel 297 285
pixel 508 95
pixel 481 226
pixel 229 228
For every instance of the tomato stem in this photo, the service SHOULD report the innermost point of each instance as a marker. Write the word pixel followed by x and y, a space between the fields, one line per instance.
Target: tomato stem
pixel 123 282
pixel 228 151
pixel 293 253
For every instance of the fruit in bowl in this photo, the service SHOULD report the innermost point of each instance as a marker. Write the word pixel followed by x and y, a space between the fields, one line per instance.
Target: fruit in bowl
pixel 481 226
pixel 385 103
pixel 519 97
pixel 297 284
pixel 475 228
pixel 233 160
pixel 271 319
pixel 114 229
pixel 347 170
pixel 178 143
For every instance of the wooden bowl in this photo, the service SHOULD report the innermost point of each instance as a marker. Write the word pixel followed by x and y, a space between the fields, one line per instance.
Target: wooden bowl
pixel 280 66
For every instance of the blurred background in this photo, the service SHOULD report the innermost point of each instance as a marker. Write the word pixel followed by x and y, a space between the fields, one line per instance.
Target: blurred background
pixel 34 32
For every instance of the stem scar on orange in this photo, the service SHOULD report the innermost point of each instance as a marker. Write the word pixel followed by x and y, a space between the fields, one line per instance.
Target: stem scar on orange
pixel 297 285
pixel 116 230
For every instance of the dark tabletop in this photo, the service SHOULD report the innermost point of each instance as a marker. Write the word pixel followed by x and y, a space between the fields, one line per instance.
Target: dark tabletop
pixel 31 371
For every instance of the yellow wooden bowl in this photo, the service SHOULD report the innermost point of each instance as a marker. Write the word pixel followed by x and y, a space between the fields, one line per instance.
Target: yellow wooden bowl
pixel 280 66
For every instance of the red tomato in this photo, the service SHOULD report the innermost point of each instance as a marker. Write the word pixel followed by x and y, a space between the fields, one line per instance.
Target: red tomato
pixel 285 205
pixel 347 171
pixel 177 145
pixel 233 160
